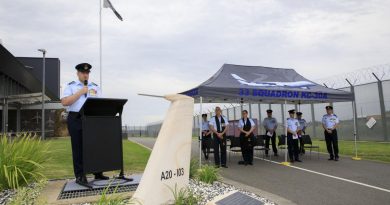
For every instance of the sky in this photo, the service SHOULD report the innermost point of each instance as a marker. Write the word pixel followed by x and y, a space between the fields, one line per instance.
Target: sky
pixel 164 47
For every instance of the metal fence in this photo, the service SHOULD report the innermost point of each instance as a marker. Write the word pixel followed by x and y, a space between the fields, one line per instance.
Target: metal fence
pixel 367 104
pixel 134 131
pixel 372 100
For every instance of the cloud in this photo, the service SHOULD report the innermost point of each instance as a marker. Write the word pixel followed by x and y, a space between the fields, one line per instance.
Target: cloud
pixel 164 47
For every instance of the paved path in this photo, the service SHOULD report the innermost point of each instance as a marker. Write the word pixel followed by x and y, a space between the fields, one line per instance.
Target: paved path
pixel 315 181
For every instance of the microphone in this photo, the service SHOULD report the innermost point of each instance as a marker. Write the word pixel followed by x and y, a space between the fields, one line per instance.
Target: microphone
pixel 85 84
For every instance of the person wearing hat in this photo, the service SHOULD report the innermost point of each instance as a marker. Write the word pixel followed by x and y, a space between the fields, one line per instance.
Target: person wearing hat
pixel 292 137
pixel 219 127
pixel 206 136
pixel 74 96
pixel 330 122
pixel 270 124
pixel 247 139
pixel 302 128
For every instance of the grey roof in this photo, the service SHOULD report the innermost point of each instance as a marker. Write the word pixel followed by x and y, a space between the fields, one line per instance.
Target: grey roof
pixel 239 83
pixel 13 68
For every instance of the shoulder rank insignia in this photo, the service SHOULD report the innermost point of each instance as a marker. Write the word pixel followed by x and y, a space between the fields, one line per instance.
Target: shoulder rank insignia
pixel 94 84
pixel 71 83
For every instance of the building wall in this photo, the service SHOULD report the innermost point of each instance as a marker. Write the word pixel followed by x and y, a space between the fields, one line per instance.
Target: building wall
pixel 52 70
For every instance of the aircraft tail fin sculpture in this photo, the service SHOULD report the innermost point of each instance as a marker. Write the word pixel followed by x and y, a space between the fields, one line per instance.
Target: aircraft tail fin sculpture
pixel 169 162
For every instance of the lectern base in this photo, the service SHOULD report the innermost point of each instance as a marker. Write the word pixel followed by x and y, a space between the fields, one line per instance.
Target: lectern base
pixel 73 190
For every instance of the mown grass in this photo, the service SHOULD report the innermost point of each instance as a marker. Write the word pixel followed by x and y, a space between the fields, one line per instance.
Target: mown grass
pixel 376 151
pixel 60 165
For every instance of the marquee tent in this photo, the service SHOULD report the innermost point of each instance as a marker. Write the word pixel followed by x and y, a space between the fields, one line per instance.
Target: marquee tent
pixel 257 84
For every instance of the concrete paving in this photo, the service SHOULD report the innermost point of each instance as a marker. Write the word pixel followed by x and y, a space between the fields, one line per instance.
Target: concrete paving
pixel 315 181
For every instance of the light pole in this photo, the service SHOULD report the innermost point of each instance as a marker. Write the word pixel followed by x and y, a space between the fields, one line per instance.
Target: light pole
pixel 43 93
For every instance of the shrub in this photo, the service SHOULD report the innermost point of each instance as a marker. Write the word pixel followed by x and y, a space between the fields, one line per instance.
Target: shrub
pixel 114 200
pixel 194 166
pixel 21 160
pixel 29 195
pixel 208 174
pixel 184 196
pixel 105 200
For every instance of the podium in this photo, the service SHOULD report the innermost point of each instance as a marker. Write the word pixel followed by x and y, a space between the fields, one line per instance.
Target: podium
pixel 102 135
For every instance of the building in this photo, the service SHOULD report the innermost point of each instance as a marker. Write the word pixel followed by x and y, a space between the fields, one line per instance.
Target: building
pixel 21 93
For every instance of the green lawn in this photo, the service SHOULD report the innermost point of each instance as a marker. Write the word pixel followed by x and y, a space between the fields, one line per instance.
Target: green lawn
pixel 366 150
pixel 135 158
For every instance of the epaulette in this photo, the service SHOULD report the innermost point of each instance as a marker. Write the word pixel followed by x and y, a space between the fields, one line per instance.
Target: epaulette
pixel 71 83
pixel 94 84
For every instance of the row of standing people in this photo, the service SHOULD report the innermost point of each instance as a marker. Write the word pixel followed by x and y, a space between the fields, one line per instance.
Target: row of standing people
pixel 216 128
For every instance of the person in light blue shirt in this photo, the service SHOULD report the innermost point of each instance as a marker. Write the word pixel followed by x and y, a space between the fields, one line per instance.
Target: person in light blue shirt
pixel 206 137
pixel 247 138
pixel 330 121
pixel 292 137
pixel 76 89
pixel 270 125
pixel 74 97
pixel 302 128
pixel 219 125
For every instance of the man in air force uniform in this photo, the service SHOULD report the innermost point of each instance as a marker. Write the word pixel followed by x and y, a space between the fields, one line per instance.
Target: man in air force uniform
pixel 292 137
pixel 74 96
pixel 302 128
pixel 219 127
pixel 330 122
pixel 206 136
pixel 270 124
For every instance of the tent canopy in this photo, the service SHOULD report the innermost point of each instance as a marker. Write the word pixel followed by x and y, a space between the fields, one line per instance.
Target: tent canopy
pixel 238 83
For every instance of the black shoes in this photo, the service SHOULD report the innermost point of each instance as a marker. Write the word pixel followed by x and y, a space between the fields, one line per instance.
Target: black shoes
pixel 330 159
pixel 336 159
pixel 298 160
pixel 82 180
pixel 244 163
pixel 276 155
pixel 101 176
pixel 224 166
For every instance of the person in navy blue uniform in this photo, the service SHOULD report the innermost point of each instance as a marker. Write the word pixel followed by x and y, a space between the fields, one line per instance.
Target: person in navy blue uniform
pixel 330 121
pixel 247 138
pixel 74 96
pixel 219 127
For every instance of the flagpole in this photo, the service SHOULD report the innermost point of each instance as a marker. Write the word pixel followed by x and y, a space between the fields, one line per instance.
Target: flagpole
pixel 100 45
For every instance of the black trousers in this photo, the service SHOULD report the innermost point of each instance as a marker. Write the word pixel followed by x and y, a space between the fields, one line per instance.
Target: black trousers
pixel 301 146
pixel 273 141
pixel 76 137
pixel 206 142
pixel 293 149
pixel 247 147
pixel 219 146
pixel 332 143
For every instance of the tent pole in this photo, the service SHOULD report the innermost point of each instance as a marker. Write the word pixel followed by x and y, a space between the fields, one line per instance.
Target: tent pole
pixel 259 121
pixel 285 133
pixel 200 131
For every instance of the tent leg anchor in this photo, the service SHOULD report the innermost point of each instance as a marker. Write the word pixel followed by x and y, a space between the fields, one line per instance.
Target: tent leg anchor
pixel 285 163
